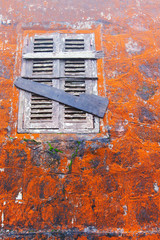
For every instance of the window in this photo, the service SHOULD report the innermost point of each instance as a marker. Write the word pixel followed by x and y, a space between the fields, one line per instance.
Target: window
pixel 71 71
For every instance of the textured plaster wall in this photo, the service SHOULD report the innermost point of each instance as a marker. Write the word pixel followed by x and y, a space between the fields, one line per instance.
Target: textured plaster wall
pixel 104 186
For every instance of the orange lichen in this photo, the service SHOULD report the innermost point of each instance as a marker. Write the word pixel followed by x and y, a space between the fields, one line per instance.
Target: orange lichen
pixel 98 186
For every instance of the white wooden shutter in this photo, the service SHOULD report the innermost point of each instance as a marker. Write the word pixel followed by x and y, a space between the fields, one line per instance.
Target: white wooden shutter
pixel 40 113
pixel 79 77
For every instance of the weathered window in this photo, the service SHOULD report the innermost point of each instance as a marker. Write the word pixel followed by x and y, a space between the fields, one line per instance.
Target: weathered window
pixel 71 70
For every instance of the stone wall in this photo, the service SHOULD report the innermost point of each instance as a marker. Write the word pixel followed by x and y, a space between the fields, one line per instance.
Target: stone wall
pixel 103 186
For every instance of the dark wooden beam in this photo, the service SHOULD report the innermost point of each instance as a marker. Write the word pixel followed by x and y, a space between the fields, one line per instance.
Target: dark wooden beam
pixel 93 104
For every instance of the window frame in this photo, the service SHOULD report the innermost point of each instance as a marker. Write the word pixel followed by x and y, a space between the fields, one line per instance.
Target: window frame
pixel 58 120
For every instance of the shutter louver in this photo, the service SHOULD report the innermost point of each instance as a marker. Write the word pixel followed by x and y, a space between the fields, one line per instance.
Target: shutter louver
pixel 75 68
pixel 43 44
pixel 42 67
pixel 75 88
pixel 41 107
pixel 74 44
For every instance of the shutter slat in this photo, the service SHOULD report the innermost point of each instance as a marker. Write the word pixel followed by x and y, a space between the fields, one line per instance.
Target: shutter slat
pixel 74 65
pixel 42 50
pixel 79 88
pixel 40 116
pixel 75 61
pixel 68 74
pixel 39 73
pixel 43 45
pixel 42 69
pixel 75 42
pixel 67 40
pixel 43 39
pixel 43 111
pixel 75 116
pixel 36 97
pixel 74 47
pixel 43 65
pixel 44 61
pixel 75 90
pixel 73 111
pixel 47 102
pixel 74 69
pixel 45 81
pixel 36 106
pixel 74 85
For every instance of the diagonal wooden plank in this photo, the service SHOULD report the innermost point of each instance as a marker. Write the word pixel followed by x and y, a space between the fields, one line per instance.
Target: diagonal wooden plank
pixel 93 104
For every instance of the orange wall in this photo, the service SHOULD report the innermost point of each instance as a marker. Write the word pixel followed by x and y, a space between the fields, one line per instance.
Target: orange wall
pixel 111 190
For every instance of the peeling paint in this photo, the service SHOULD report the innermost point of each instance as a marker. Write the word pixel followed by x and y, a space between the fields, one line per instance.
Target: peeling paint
pixel 83 25
pixel 19 197
pixel 109 17
pixel 132 47
pixel 125 210
pixel 156 188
